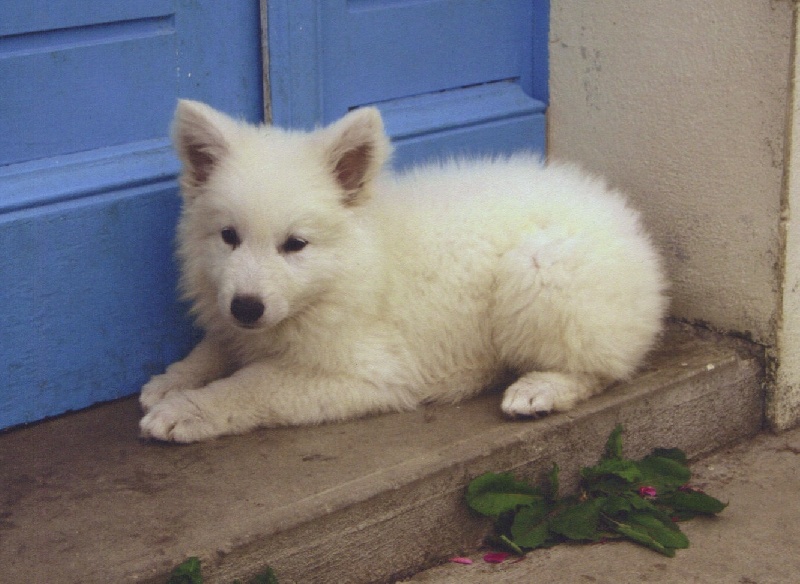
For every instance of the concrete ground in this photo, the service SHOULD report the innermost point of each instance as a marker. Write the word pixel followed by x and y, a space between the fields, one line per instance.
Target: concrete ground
pixel 753 541
pixel 84 500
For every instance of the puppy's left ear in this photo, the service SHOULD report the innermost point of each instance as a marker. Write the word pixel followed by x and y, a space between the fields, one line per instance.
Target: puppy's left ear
pixel 356 147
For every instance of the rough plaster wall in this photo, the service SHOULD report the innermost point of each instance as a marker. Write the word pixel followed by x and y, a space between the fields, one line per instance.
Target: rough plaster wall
pixel 783 399
pixel 683 104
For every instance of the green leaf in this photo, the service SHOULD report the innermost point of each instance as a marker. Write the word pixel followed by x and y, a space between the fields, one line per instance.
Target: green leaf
pixel 660 535
pixel 627 470
pixel 664 531
pixel 694 502
pixel 639 503
pixel 607 485
pixel 578 522
pixel 530 530
pixel 188 572
pixel 663 473
pixel 615 504
pixel 494 494
pixel 613 449
pixel 640 535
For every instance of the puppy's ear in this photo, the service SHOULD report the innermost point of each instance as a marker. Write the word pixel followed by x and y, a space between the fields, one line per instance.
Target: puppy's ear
pixel 356 147
pixel 199 134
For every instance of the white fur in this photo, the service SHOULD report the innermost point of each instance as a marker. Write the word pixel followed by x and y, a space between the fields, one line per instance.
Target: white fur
pixel 427 286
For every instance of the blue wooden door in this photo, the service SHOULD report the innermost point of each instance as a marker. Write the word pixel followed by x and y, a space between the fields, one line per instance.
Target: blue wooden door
pixel 88 178
pixel 87 186
pixel 449 76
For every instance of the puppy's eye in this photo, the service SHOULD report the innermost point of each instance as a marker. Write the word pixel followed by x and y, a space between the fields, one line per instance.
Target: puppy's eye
pixel 230 237
pixel 293 244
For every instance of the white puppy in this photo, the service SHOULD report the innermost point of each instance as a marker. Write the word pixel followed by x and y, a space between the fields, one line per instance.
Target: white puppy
pixel 329 289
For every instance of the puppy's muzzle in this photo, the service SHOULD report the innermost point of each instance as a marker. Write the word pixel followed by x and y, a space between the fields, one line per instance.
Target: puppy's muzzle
pixel 247 309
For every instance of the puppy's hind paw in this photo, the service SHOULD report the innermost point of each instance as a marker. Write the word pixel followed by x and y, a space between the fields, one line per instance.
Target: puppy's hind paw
pixel 538 393
pixel 523 400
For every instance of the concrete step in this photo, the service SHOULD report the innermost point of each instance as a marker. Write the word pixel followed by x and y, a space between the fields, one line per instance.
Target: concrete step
pixel 84 500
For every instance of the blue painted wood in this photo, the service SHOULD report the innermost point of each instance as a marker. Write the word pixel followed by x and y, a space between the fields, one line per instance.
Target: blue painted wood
pixel 122 89
pixel 507 136
pixel 294 63
pixel 88 192
pixel 219 56
pixel 463 121
pixel 88 303
pixel 46 15
pixel 381 50
pixel 44 181
pixel 329 57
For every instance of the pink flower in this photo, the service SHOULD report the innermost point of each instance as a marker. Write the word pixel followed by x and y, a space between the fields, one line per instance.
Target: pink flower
pixel 495 557
pixel 459 560
pixel 647 492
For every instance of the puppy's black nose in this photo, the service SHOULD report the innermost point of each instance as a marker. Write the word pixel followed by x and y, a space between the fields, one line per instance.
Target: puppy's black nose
pixel 247 309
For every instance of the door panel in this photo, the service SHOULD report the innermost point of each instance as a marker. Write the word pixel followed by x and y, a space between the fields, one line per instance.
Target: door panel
pixel 329 57
pixel 88 301
pixel 125 88
pixel 48 16
pixel 378 51
pixel 88 190
pixel 473 121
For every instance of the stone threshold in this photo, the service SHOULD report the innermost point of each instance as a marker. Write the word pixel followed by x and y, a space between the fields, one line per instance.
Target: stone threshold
pixel 84 500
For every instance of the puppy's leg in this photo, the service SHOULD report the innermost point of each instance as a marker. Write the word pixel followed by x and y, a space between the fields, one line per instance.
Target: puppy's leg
pixel 261 395
pixel 541 392
pixel 203 364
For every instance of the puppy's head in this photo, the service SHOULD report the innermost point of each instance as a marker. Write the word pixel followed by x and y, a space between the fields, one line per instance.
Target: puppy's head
pixel 270 217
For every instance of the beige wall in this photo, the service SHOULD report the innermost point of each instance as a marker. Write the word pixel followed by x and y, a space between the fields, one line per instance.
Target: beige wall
pixel 684 104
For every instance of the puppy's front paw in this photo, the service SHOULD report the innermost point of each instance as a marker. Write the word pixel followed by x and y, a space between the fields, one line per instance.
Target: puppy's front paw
pixel 176 418
pixel 154 391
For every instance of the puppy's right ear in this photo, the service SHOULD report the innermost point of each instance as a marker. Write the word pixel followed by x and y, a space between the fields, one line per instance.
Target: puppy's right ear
pixel 199 134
